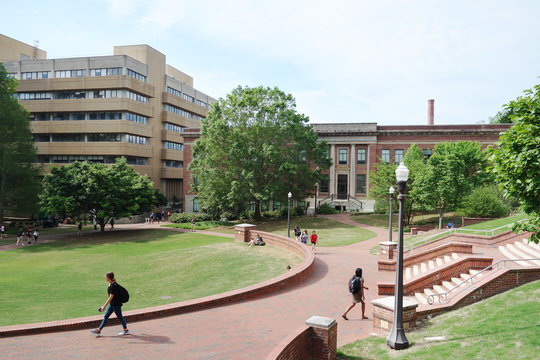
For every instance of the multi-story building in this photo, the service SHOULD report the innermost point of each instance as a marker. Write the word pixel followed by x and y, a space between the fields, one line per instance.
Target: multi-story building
pixel 131 104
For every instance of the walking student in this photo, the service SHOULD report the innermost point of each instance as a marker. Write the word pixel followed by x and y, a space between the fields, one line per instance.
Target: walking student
pixel 193 225
pixel 113 304
pixel 304 237
pixel 79 229
pixel 35 235
pixel 3 231
pixel 297 232
pixel 19 237
pixel 356 288
pixel 29 235
pixel 313 240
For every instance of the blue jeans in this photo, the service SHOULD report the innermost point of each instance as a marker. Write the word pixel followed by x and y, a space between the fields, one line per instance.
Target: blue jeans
pixel 118 311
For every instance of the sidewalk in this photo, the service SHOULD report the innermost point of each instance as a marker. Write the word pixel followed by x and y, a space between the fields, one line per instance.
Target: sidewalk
pixel 247 330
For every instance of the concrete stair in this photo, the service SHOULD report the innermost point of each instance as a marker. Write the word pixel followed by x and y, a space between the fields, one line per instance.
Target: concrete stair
pixel 522 250
pixel 446 286
pixel 429 265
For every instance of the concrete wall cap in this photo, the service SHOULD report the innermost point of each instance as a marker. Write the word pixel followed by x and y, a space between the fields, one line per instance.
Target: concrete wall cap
pixel 388 243
pixel 388 303
pixel 320 322
pixel 244 225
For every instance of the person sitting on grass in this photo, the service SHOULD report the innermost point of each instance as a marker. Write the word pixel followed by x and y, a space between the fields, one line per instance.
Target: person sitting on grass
pixel 258 241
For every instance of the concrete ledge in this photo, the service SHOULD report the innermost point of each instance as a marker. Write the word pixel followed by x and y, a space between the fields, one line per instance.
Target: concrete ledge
pixel 290 278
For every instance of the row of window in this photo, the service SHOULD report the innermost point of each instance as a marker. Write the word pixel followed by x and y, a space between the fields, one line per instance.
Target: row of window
pixel 32 75
pixel 173 145
pixel 360 184
pixel 90 94
pixel 178 111
pixel 66 159
pixel 136 75
pixel 187 97
pixel 173 127
pixel 59 74
pixel 361 156
pixel 106 71
pixel 35 75
pixel 103 115
pixel 173 164
pixel 94 137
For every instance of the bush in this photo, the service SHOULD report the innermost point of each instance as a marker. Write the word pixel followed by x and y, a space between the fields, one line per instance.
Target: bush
pixel 484 202
pixel 326 209
pixel 298 211
pixel 186 217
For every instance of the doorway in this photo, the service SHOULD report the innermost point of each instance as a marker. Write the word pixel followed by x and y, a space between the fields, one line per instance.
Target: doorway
pixel 342 187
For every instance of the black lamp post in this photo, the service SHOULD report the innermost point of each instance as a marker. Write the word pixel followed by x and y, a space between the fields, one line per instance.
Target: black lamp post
pixel 289 196
pixel 391 192
pixel 397 339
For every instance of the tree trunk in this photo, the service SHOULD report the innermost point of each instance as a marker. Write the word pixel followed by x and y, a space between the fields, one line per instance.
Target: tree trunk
pixel 102 225
pixel 441 215
pixel 257 215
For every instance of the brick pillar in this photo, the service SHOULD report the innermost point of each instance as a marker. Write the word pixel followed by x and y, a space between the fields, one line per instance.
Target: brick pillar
pixel 242 232
pixel 323 337
pixel 388 250
pixel 383 314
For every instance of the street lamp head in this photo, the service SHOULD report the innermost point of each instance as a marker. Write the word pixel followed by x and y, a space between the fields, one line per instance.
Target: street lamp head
pixel 289 195
pixel 391 190
pixel 402 173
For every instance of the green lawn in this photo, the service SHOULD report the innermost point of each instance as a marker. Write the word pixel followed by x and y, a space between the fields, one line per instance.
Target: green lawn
pixel 201 225
pixel 505 326
pixel 330 232
pixel 65 278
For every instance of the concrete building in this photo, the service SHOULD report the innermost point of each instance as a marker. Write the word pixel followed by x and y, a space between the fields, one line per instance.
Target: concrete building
pixel 130 104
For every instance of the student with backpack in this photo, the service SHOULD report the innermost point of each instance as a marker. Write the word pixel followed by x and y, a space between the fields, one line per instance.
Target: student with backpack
pixel 117 296
pixel 356 288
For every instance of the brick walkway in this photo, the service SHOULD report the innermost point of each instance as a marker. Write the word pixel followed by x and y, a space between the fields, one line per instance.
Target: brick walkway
pixel 247 330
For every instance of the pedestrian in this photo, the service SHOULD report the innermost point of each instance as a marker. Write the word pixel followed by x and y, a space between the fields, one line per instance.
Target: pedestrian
pixel 79 229
pixel 168 215
pixel 29 235
pixel 193 225
pixel 152 218
pixel 112 224
pixel 356 288
pixel 163 215
pixel 313 240
pixel 113 304
pixel 35 235
pixel 19 237
pixel 297 232
pixel 304 237
pixel 3 231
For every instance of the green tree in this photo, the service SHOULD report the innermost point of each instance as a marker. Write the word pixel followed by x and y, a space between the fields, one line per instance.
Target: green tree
pixel 502 117
pixel 484 202
pixel 19 174
pixel 255 147
pixel 96 189
pixel 451 173
pixel 384 176
pixel 516 159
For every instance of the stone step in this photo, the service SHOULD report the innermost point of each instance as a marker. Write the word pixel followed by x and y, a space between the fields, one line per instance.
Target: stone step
pixel 457 281
pixel 421 298
pixel 465 276
pixel 528 249
pixel 455 256
pixel 428 292
pixel 448 285
pixel 532 244
pixel 511 256
pixel 431 265
pixel 439 261
pixel 415 270
pixel 474 272
pixel 446 258
pixel 521 254
pixel 407 273
pixel 423 268
pixel 439 289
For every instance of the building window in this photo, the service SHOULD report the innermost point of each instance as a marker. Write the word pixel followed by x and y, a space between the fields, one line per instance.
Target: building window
pixel 173 146
pixel 427 154
pixel 178 111
pixel 136 118
pixel 36 75
pixel 398 156
pixel 361 184
pixel 69 73
pixel 342 156
pixel 173 164
pixel 106 72
pixel 104 137
pixel 175 92
pixel 195 205
pixel 201 103
pixel 67 137
pixel 385 156
pixel 173 127
pixel 136 97
pixel 188 98
pixel 134 139
pixel 302 156
pixel 136 75
pixel 324 184
pixel 42 138
pixel 34 96
pixel 361 156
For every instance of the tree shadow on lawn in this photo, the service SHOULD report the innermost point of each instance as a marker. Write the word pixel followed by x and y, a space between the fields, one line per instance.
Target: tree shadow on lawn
pixel 99 238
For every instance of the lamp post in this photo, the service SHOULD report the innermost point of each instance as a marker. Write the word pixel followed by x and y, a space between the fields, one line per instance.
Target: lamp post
pixel 289 196
pixel 391 192
pixel 316 191
pixel 397 339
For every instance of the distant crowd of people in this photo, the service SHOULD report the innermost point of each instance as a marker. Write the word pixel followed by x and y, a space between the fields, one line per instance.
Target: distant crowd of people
pixel 303 236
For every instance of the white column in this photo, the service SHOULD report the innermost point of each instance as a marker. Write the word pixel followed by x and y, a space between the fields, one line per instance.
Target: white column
pixel 352 180
pixel 368 169
pixel 332 170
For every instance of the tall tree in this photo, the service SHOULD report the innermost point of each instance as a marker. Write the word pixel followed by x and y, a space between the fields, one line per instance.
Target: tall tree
pixel 516 158
pixel 451 173
pixel 255 147
pixel 98 190
pixel 19 175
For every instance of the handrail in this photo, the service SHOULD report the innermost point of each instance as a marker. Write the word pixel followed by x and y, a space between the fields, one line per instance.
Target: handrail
pixel 431 298
pixel 462 231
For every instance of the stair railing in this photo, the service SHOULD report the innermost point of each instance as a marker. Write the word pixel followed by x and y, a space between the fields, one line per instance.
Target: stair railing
pixel 431 298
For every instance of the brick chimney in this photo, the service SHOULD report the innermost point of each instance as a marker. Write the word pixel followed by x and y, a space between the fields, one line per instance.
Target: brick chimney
pixel 430 112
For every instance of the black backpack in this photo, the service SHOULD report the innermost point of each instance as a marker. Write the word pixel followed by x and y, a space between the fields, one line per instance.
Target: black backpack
pixel 354 285
pixel 123 294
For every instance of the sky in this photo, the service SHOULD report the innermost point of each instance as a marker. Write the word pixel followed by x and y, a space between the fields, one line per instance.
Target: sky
pixel 343 61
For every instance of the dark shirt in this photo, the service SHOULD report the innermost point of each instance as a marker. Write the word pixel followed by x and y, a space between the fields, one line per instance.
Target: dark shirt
pixel 113 289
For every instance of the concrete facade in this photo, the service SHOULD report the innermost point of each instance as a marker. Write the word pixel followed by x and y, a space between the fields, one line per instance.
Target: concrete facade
pixel 131 104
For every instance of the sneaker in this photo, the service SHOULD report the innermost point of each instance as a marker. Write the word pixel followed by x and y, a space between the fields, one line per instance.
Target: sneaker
pixel 95 331
pixel 123 333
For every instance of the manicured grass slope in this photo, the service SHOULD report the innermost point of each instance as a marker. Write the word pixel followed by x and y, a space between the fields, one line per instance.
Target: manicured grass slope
pixel 63 279
pixel 505 326
pixel 330 232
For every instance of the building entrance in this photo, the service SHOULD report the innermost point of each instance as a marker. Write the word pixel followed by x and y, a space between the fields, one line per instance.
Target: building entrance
pixel 342 187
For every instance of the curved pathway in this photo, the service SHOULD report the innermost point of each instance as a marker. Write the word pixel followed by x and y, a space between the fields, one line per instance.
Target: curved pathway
pixel 245 330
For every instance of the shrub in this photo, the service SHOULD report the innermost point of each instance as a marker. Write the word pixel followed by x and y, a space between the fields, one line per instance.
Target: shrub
pixel 484 202
pixel 186 217
pixel 298 211
pixel 325 209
